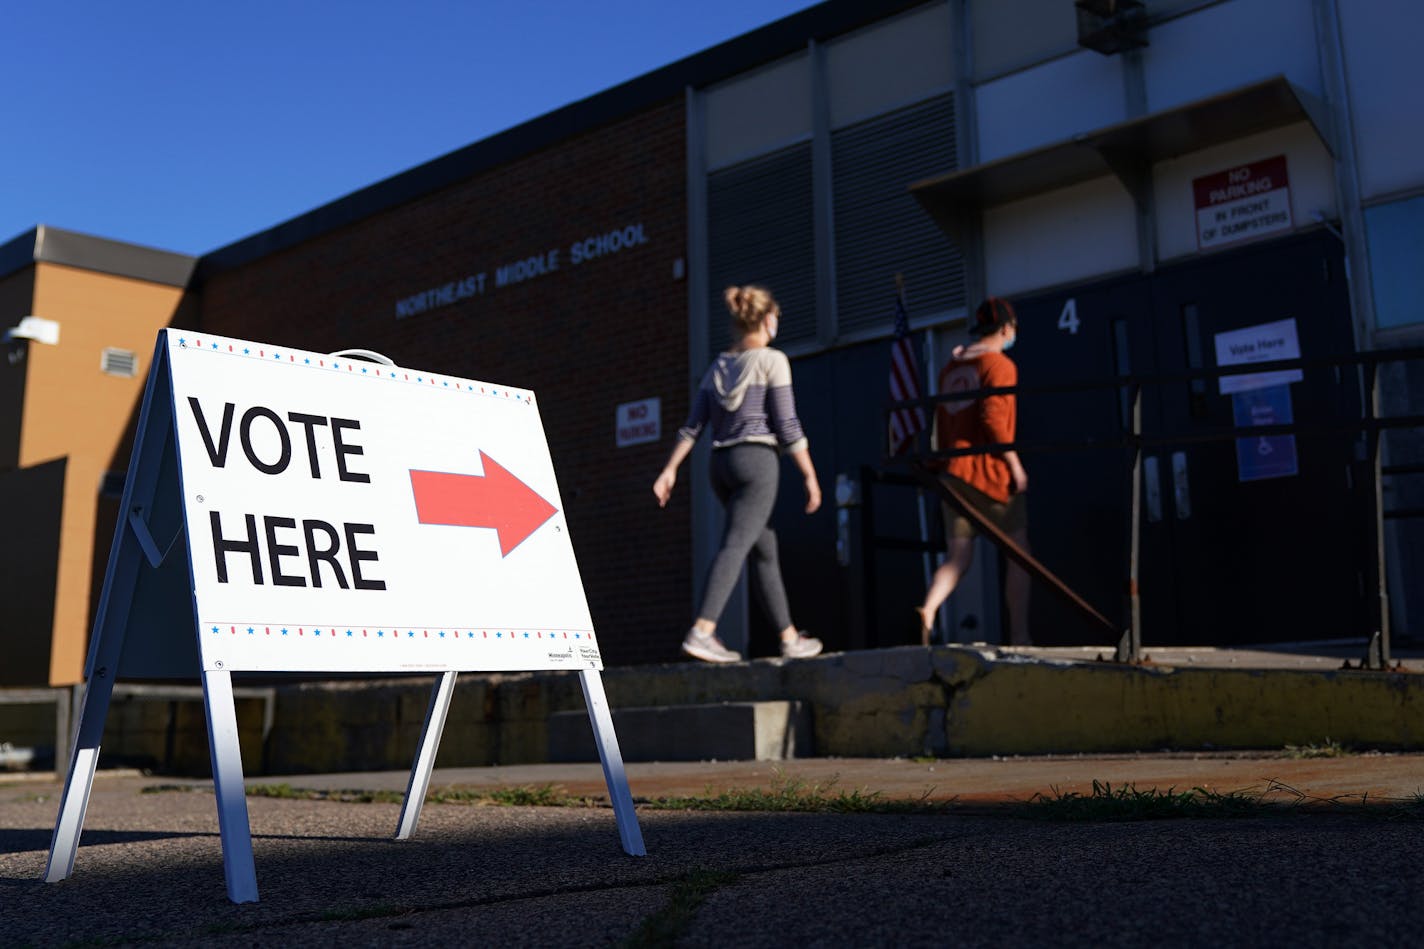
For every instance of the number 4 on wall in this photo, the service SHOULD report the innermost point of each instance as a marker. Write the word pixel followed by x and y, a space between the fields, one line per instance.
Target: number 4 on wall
pixel 1068 318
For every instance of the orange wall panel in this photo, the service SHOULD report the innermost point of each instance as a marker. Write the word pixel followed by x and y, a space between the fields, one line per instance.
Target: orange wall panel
pixel 76 411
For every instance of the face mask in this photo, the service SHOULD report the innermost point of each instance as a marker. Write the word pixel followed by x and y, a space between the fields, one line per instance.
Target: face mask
pixel 773 323
pixel 1009 344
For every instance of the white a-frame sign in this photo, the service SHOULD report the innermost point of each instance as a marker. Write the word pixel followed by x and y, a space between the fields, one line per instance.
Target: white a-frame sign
pixel 288 511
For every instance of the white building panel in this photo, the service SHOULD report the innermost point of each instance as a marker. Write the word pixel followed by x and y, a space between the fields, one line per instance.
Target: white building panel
pixel 1009 36
pixel 1064 236
pixel 1049 103
pixel 1231 45
pixel 1384 69
pixel 890 64
pixel 1308 165
pixel 759 112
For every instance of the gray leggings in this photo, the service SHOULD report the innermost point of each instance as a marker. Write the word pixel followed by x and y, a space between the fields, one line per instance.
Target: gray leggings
pixel 745 478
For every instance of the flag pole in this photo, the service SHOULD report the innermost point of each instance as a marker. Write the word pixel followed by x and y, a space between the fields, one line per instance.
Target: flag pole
pixel 926 560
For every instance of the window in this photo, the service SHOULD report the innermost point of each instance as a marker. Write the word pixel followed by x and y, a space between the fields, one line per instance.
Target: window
pixel 1396 238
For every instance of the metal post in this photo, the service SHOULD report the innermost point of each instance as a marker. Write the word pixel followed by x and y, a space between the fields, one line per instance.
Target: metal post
pixel 869 606
pixel 1129 646
pixel 1377 656
pixel 938 630
pixel 233 825
pixel 616 778
pixel 419 782
pixel 63 706
pixel 83 761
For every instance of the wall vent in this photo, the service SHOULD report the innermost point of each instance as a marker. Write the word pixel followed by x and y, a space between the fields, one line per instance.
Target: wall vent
pixel 119 362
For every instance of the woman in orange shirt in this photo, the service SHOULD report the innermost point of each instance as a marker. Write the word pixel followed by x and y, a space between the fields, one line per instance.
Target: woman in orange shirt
pixel 994 482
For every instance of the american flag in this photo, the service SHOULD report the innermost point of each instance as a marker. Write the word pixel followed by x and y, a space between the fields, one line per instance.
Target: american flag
pixel 907 422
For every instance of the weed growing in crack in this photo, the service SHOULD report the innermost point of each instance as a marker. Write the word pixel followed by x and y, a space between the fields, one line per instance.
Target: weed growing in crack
pixel 1126 802
pixel 688 894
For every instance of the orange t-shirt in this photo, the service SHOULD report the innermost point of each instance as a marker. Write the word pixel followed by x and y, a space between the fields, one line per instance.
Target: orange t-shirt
pixel 977 422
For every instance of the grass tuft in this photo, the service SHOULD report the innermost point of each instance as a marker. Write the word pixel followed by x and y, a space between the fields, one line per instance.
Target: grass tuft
pixel 1326 749
pixel 1126 803
pixel 1105 802
pixel 287 792
pixel 1411 807
pixel 168 789
pixel 546 795
pixel 792 794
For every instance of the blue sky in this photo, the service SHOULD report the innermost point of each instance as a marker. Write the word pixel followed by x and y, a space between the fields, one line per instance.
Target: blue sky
pixel 189 124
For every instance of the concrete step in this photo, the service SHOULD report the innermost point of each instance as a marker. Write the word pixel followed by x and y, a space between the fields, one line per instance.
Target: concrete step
pixel 724 731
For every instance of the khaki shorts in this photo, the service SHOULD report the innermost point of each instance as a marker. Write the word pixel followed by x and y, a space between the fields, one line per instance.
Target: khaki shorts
pixel 1008 518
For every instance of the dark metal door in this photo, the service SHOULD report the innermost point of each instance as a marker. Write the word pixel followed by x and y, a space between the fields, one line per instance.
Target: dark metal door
pixel 1079 499
pixel 1260 554
pixel 841 397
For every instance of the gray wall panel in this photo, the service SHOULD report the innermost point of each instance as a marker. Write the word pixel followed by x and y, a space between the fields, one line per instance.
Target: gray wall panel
pixel 880 229
pixel 760 231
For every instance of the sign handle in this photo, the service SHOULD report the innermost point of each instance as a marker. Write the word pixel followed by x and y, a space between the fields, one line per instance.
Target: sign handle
pixel 425 755
pixel 608 753
pixel 238 866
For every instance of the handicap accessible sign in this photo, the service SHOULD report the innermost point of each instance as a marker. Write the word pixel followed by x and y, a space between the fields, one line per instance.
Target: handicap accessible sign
pixel 1264 456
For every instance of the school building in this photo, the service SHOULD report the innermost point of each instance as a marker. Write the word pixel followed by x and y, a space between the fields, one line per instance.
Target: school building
pixel 1160 187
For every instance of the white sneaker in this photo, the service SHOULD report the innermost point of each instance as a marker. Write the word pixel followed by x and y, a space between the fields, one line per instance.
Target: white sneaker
pixel 708 648
pixel 802 647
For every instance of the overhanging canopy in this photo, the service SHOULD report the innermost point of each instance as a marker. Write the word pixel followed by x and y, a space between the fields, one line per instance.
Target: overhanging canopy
pixel 1126 149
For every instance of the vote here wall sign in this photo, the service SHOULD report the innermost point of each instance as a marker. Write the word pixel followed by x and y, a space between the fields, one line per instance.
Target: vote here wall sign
pixel 344 515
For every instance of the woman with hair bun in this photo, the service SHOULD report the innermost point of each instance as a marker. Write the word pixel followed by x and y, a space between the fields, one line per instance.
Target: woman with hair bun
pixel 746 397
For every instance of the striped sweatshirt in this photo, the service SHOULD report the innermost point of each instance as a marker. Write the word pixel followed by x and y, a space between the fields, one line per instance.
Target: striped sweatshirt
pixel 747 398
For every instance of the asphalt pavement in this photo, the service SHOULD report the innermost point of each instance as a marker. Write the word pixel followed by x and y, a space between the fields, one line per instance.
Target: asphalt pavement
pixel 982 870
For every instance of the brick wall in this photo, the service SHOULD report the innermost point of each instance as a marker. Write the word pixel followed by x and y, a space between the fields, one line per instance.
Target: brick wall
pixel 585 338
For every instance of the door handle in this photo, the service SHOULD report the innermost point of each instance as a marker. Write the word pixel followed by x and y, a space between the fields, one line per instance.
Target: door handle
pixel 1152 483
pixel 1181 486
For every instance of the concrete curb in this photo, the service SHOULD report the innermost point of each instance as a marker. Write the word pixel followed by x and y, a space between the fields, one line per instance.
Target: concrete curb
pixel 944 701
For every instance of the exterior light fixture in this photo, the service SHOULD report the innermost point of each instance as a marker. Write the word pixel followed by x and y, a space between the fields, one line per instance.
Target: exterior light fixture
pixel 1111 26
pixel 36 328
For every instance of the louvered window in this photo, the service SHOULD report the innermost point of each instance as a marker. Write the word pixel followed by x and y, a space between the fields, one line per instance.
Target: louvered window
pixel 880 230
pixel 119 362
pixel 760 231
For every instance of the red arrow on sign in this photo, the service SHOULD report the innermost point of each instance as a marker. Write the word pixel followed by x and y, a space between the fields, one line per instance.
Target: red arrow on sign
pixel 496 499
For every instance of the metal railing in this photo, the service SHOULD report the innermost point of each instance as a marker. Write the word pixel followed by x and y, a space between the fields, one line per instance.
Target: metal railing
pixel 67 700
pixel 922 467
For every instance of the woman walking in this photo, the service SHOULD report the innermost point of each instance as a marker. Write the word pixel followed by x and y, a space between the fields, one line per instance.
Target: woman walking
pixel 993 482
pixel 746 396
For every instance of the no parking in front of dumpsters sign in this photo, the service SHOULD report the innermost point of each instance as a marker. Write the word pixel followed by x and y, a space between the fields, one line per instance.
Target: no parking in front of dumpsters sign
pixel 1243 203
pixel 351 516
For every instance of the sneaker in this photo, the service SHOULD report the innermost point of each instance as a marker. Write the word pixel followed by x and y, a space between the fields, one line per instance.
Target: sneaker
pixel 708 648
pixel 802 647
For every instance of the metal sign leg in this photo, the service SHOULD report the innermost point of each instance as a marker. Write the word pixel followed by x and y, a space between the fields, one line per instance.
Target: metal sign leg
pixel 608 753
pixel 425 755
pixel 106 648
pixel 238 867
pixel 79 781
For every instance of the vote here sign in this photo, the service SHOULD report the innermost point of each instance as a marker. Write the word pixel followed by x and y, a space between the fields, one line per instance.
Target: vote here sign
pixel 344 515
